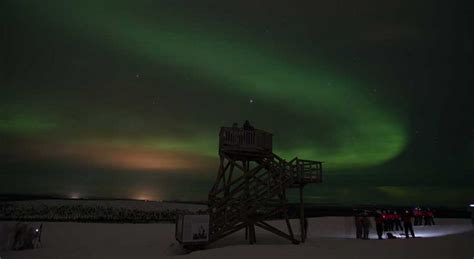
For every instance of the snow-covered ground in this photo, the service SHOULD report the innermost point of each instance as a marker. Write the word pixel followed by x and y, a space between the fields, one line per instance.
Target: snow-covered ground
pixel 328 237
pixel 130 211
pixel 129 204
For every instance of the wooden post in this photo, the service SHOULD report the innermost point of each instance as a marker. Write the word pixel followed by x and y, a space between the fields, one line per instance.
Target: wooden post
pixel 303 234
pixel 253 238
pixel 247 232
pixel 285 214
pixel 268 227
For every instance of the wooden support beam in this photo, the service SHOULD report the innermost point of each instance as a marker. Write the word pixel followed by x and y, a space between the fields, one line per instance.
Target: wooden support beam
pixel 227 232
pixel 231 171
pixel 252 238
pixel 302 224
pixel 243 176
pixel 246 232
pixel 219 174
pixel 285 214
pixel 276 231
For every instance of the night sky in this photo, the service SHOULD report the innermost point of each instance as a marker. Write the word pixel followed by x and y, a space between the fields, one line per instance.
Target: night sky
pixel 124 99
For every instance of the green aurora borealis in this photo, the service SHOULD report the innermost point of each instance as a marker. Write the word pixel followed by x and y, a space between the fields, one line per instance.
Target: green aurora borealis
pixel 129 90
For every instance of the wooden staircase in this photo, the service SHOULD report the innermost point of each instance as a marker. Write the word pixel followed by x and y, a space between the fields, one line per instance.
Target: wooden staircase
pixel 251 185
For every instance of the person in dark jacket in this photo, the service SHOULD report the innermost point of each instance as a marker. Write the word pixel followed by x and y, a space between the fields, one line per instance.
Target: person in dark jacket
pixel 418 214
pixel 379 225
pixel 429 217
pixel 247 126
pixel 407 224
pixel 390 218
pixel 385 220
pixel 358 224
pixel 365 226
pixel 397 221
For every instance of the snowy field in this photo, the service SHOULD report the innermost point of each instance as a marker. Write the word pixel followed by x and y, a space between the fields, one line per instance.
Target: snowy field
pixel 120 211
pixel 129 204
pixel 328 237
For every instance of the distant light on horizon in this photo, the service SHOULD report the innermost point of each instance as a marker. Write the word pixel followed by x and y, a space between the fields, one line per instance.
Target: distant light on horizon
pixel 471 205
pixel 145 196
pixel 75 195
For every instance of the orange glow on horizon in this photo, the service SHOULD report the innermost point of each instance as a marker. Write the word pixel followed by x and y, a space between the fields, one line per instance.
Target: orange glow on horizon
pixel 129 158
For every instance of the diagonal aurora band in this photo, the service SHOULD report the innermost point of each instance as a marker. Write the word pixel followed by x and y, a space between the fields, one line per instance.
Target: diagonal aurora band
pixel 362 131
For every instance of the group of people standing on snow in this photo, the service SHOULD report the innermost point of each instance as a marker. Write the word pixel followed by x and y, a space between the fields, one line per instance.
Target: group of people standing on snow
pixel 389 221
pixel 363 225
pixel 423 217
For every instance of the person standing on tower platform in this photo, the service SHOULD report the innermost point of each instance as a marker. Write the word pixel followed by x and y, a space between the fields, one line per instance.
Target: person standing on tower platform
pixel 247 125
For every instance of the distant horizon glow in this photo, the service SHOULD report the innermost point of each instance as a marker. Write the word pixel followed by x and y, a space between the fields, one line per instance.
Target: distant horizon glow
pixel 75 196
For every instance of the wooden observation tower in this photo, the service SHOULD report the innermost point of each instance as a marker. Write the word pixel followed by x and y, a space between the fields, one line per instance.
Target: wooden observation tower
pixel 250 189
pixel 251 185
